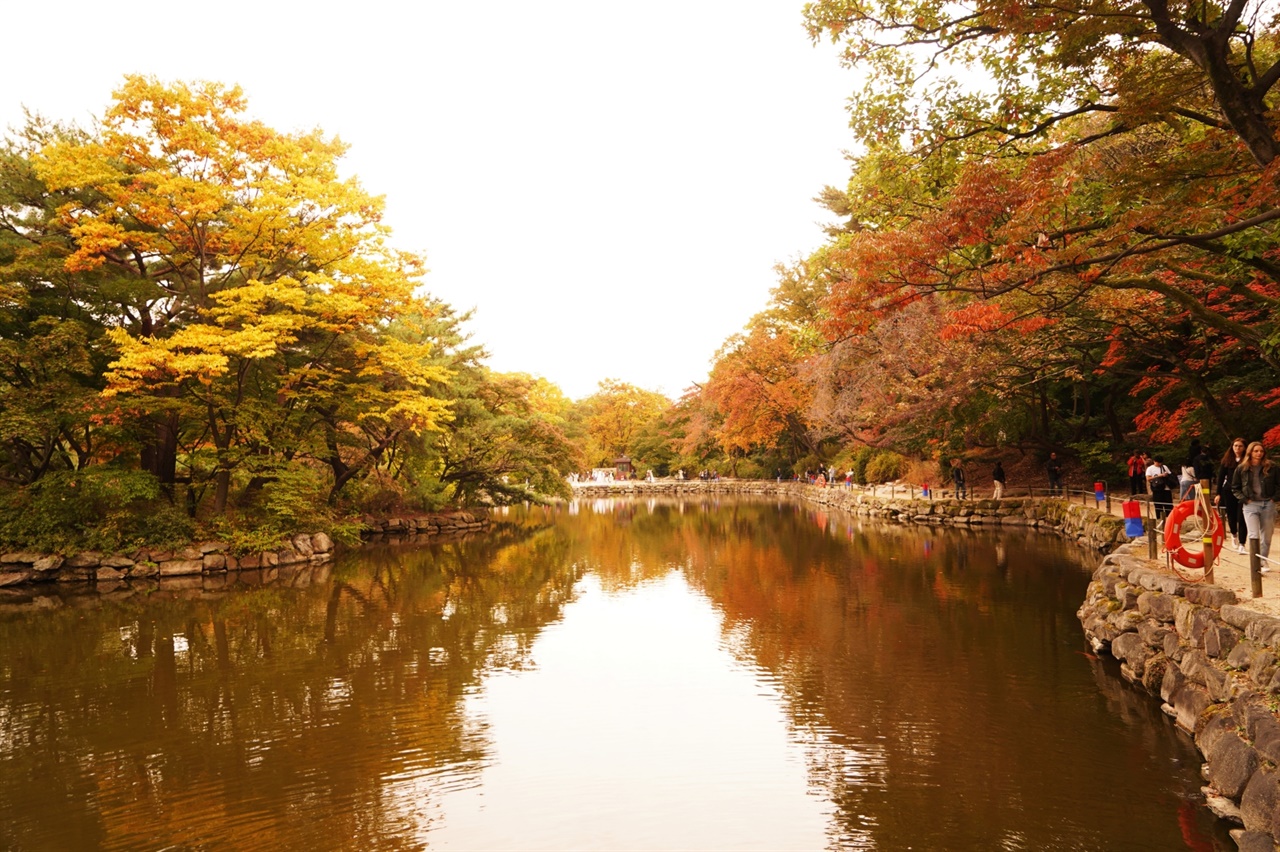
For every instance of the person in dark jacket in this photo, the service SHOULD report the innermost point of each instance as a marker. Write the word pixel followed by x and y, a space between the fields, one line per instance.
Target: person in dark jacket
pixel 1224 498
pixel 1053 467
pixel 997 480
pixel 957 476
pixel 1255 484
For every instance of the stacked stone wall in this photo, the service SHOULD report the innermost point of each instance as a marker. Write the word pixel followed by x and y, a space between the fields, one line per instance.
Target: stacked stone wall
pixel 1214 665
pixel 213 558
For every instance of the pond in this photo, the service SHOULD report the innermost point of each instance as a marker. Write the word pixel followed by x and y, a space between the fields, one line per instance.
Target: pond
pixel 701 674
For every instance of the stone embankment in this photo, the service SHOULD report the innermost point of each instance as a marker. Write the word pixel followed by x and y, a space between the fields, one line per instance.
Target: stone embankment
pixel 215 558
pixel 1092 528
pixel 1216 666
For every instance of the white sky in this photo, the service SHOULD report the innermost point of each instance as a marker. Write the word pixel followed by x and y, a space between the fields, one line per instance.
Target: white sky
pixel 608 184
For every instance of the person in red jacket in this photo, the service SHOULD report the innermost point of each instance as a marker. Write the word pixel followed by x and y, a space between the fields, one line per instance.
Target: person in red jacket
pixel 1137 474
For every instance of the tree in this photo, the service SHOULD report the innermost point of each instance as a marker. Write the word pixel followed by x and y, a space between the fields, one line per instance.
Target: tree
pixel 759 393
pixel 615 415
pixel 1044 63
pixel 252 288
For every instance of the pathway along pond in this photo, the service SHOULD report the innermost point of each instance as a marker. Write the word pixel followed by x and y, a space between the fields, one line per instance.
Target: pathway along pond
pixel 718 674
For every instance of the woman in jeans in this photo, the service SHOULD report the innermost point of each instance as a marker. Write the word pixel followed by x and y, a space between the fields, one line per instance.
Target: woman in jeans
pixel 1225 499
pixel 1255 483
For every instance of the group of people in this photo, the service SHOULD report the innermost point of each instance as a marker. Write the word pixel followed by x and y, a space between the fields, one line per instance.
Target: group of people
pixel 1244 485
pixel 961 486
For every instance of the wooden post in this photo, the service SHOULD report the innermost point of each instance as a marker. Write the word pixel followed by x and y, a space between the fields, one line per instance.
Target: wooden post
pixel 1255 568
pixel 1108 493
pixel 1151 541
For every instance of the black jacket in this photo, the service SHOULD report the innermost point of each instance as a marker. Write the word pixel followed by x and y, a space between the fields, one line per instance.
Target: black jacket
pixel 1270 482
pixel 1223 485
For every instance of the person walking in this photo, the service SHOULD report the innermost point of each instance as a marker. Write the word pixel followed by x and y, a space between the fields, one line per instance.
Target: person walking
pixel 1137 474
pixel 1186 480
pixel 997 481
pixel 1054 469
pixel 1225 499
pixel 957 476
pixel 1255 484
pixel 1161 488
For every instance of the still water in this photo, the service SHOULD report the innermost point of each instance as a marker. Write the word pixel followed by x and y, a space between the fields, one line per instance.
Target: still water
pixel 607 675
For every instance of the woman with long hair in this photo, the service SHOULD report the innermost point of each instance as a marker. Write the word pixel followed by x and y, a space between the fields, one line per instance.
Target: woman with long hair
pixel 1225 499
pixel 1255 484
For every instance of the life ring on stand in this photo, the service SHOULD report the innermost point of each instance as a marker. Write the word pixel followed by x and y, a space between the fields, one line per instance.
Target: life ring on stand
pixel 1173 535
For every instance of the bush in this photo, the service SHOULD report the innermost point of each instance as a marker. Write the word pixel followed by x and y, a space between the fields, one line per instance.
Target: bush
pixel 1099 461
pixel 104 508
pixel 885 466
pixel 858 464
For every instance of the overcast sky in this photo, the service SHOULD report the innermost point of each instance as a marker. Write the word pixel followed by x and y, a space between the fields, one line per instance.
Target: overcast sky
pixel 607 184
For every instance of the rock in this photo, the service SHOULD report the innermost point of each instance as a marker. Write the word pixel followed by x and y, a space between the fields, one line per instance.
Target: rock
pixel 47 563
pixel 117 561
pixel 1129 648
pixel 106 574
pixel 213 547
pixel 180 567
pixel 1210 596
pixel 1153 633
pixel 1250 841
pixel 1241 654
pixel 19 556
pixel 143 569
pixel 302 544
pixel 85 559
pixel 1260 802
pixel 214 562
pixel 13 578
pixel 1231 764
pixel 1219 639
pixel 1264 630
pixel 321 543
pixel 1239 617
pixel 1156 605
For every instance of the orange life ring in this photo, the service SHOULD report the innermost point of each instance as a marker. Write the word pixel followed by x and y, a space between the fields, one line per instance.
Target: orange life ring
pixel 1173 535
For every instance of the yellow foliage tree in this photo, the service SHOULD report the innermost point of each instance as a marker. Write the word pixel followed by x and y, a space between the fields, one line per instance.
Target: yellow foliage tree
pixel 254 285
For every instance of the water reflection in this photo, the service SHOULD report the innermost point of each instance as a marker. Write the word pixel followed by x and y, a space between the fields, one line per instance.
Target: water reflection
pixel 651 674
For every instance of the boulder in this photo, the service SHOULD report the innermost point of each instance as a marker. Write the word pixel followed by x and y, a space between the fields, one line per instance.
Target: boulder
pixel 13 578
pixel 321 543
pixel 1231 764
pixel 181 567
pixel 47 563
pixel 1261 801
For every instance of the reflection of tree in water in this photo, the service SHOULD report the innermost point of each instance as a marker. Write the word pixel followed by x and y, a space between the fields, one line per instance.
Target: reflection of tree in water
pixel 275 717
pixel 928 672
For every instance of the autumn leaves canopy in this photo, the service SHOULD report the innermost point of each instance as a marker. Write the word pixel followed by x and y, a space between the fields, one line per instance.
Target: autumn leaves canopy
pixel 1060 229
pixel 208 297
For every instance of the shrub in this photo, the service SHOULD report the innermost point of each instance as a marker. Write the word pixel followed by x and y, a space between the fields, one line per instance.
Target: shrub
pixel 858 464
pixel 885 466
pixel 106 508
